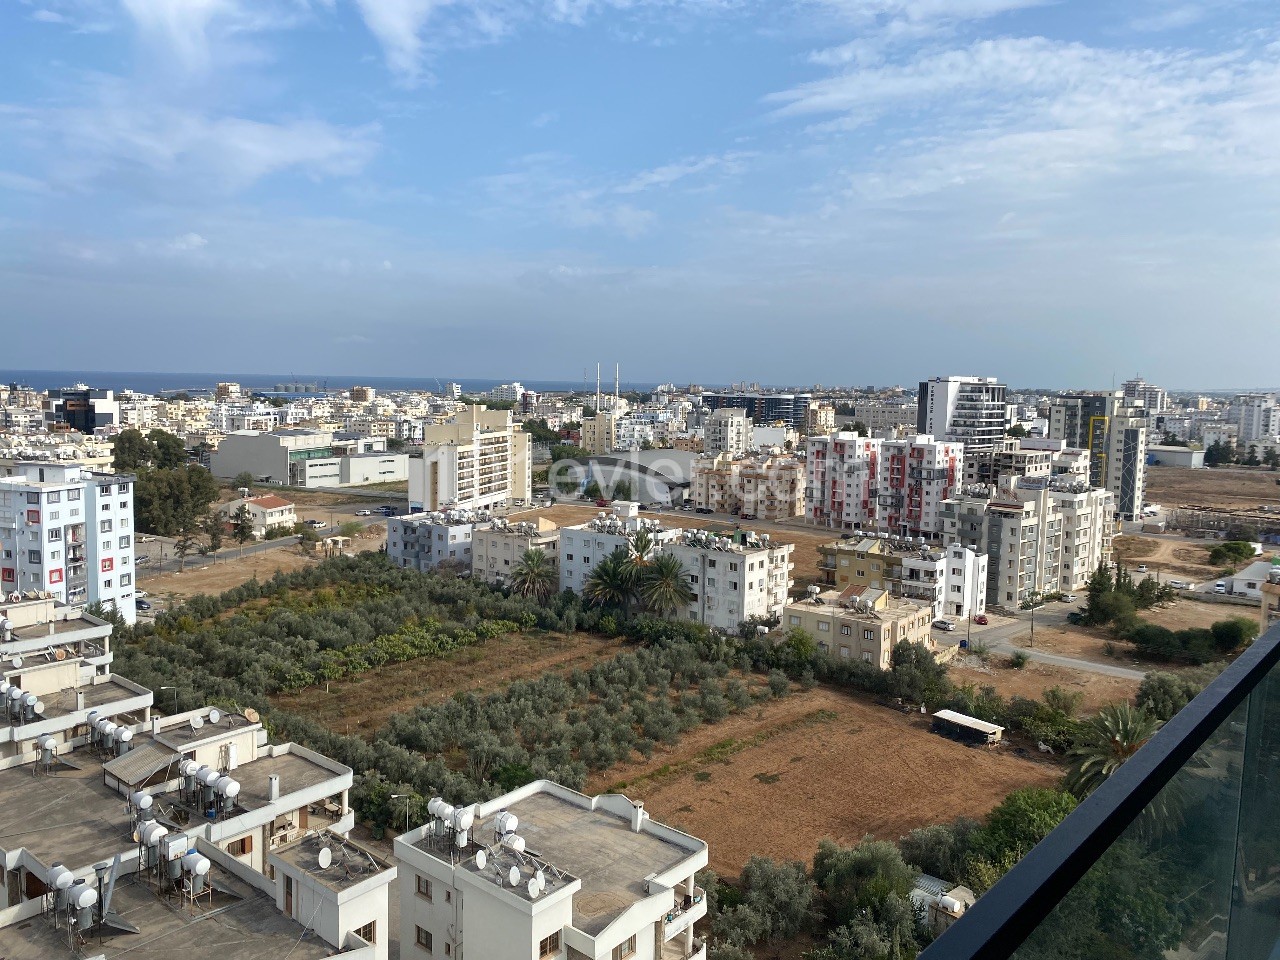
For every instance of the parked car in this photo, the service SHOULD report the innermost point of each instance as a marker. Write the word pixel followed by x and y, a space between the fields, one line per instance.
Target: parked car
pixel 703 510
pixel 1220 587
pixel 1181 585
pixel 315 524
pixel 364 512
pixel 146 538
pixel 1067 598
pixel 1075 618
pixel 946 625
pixel 1142 568
pixel 981 620
pixel 602 502
pixel 687 507
pixel 140 594
pixel 142 604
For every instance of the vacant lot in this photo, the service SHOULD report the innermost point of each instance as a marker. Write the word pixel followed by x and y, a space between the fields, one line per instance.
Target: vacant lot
pixel 1232 488
pixel 363 704
pixel 776 779
pixel 1175 558
pixel 1035 678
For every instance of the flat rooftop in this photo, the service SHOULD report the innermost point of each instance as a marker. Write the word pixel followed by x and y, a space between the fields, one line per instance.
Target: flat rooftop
pixel 95 695
pixel 60 628
pixel 351 864
pixel 218 928
pixel 178 736
pixel 600 849
pixel 295 772
pixel 69 815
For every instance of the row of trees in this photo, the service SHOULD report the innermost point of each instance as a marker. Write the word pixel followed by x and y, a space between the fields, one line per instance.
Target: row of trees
pixel 1219 453
pixel 172 496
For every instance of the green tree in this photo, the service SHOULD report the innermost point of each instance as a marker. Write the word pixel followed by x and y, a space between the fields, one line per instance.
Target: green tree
pixel 1016 431
pixel 592 490
pixel 855 881
pixel 612 582
pixel 1109 739
pixel 940 849
pixel 781 894
pixel 212 528
pixel 170 452
pixel 242 526
pixel 622 490
pixel 131 450
pixel 535 576
pixel 1163 694
pixel 244 479
pixel 1023 819
pixel 664 586
pixel 187 539
pixel 163 496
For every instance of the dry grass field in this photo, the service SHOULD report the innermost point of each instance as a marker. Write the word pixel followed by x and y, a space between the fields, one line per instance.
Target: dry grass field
pixel 1168 557
pixel 776 779
pixel 1035 678
pixel 1230 488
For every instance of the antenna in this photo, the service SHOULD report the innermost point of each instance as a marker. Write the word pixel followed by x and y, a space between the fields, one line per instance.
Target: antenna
pixel 532 887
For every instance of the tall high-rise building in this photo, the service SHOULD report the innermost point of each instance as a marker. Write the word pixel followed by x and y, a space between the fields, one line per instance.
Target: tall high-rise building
pixel 80 408
pixel 1137 390
pixel 968 410
pixel 1115 434
pixel 478 459
pixel 765 408
pixel 1257 416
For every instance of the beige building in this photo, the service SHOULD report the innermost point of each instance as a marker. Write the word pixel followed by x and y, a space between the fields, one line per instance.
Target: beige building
pixel 600 433
pixel 728 430
pixel 267 512
pixel 497 548
pixel 480 458
pixel 756 488
pixel 821 418
pixel 861 623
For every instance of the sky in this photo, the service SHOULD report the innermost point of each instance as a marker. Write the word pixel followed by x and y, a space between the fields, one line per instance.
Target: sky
pixel 784 191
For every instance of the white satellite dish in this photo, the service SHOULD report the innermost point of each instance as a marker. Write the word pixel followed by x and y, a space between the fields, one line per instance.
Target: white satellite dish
pixel 482 859
pixel 513 876
pixel 326 858
pixel 215 715
pixel 541 877
pixel 196 723
pixel 17 662
pixel 533 888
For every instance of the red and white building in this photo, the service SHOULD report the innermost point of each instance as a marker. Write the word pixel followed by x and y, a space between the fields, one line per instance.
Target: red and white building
pixel 896 486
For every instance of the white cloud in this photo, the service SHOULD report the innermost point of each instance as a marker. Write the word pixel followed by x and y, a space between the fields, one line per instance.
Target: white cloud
pixel 48 16
pixel 187 243
pixel 668 174
pixel 397 25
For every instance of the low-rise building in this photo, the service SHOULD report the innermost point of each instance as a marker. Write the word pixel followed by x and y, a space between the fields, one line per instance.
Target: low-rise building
pixel 267 512
pixel 734 578
pixel 951 580
pixel 424 541
pixel 496 548
pixel 308 458
pixel 583 546
pixel 861 623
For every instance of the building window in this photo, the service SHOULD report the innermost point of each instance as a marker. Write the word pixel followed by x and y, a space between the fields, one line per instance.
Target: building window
pixel 550 946
pixel 242 847
pixel 868 635
pixel 424 888
pixel 126 579
pixel 846 630
pixel 73 494
pixel 124 543
pixel 33 556
pixel 33 498
pixel 625 949
pixel 423 938
pixel 795 621
pixel 55 534
pixel 105 526
pixel 824 627
pixel 366 933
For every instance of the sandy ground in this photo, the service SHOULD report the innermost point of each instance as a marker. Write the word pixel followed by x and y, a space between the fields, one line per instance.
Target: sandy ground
pixel 775 780
pixel 1235 488
pixel 362 705
pixel 1035 678
pixel 1168 558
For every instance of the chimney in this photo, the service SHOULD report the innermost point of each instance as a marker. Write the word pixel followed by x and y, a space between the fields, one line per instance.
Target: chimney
pixel 273 787
pixel 79 699
pixel 638 816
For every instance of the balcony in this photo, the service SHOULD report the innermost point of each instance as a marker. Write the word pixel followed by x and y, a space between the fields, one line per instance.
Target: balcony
pixel 688 911
pixel 674 950
pixel 1175 855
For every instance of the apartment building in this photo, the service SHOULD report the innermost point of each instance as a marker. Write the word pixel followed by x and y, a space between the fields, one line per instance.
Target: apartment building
pixel 1115 434
pixel 600 433
pixel 820 418
pixel 1140 393
pixel 1038 536
pixel 1257 417
pixel 68 531
pixel 80 408
pixel 496 547
pixel 728 430
pixel 267 512
pixel 884 417
pixel 195 814
pixel 733 578
pixel 763 488
pixel 479 459
pixel 424 541
pixel 860 623
pixel 968 410
pixel 791 408
pixel 545 872
pixel 582 547
pixel 951 580
pixel 1006 458
pixel 841 471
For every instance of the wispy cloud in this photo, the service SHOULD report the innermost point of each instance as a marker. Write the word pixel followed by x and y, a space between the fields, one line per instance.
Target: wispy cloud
pixel 668 174
pixel 397 25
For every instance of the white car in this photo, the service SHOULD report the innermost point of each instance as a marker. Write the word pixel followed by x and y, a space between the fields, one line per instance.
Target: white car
pixel 946 625
pixel 364 513
pixel 140 594
pixel 1142 568
pixel 315 524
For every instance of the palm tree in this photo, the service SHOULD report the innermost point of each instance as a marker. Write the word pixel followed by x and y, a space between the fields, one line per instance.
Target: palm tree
pixel 664 586
pixel 534 576
pixel 1108 740
pixel 643 548
pixel 612 582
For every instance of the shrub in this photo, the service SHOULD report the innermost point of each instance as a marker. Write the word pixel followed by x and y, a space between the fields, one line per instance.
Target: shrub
pixel 1019 659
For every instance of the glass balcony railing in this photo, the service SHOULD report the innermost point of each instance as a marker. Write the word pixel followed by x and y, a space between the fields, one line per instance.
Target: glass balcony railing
pixel 1176 855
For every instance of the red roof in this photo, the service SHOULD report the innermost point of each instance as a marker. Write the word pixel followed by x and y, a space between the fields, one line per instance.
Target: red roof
pixel 270 502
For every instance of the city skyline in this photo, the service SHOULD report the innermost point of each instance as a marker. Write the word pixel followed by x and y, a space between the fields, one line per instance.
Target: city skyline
pixel 1044 192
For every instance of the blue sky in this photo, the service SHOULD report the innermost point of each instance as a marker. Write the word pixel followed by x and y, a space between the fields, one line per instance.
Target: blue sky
pixel 790 191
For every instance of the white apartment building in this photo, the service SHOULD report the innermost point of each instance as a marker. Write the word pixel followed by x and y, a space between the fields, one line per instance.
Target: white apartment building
pixel 1039 536
pixel 546 873
pixel 68 531
pixel 968 410
pixel 733 578
pixel 423 541
pixel 479 459
pixel 841 470
pixel 1257 416
pixel 728 430
pixel 1114 432
pixel 582 547
pixel 496 548
pixel 507 392
pixel 1138 391
pixel 753 487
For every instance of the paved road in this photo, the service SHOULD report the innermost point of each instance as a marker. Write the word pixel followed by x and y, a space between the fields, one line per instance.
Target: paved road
pixel 1000 639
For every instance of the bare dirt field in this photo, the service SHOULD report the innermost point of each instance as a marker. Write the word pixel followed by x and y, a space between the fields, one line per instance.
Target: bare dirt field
pixel 363 704
pixel 1231 488
pixel 1035 678
pixel 776 779
pixel 1167 557
pixel 1187 614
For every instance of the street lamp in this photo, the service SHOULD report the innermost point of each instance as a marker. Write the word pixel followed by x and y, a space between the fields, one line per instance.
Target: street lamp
pixel 175 698
pixel 405 797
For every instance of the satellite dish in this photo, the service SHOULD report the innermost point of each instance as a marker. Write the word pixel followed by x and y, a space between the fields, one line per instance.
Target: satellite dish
pixel 39 705
pixel 541 877
pixel 251 714
pixel 482 860
pixel 59 654
pixel 17 662
pixel 513 876
pixel 326 858
pixel 197 723
pixel 533 888
pixel 215 715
